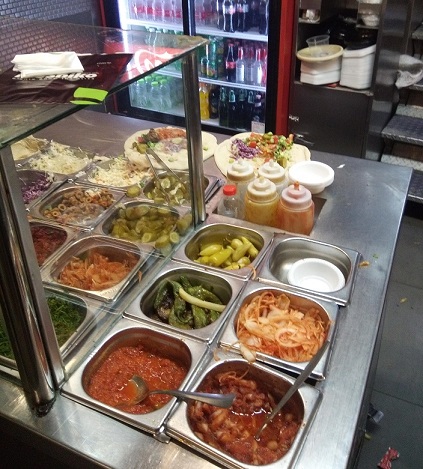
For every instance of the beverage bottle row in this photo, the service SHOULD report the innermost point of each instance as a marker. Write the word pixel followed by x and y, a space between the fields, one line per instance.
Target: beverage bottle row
pixel 157 92
pixel 239 61
pixel 166 11
pixel 242 15
pixel 228 15
pixel 238 108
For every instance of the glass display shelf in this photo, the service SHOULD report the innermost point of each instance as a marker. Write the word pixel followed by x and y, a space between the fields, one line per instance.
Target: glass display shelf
pixel 22 36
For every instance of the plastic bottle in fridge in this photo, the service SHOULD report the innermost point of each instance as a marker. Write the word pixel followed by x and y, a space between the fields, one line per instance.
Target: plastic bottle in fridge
pixel 219 14
pixel 165 94
pixel 230 64
pixel 167 10
pixel 223 108
pixel 204 102
pixel 155 96
pixel 249 60
pixel 177 11
pixel 232 109
pixel 258 69
pixel 240 66
pixel 157 7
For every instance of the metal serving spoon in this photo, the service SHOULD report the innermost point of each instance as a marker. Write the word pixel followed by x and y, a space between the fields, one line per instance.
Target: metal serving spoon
pixel 142 391
pixel 297 383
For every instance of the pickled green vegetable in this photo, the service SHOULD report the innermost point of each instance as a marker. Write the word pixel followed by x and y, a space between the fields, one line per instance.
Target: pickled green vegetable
pixel 190 310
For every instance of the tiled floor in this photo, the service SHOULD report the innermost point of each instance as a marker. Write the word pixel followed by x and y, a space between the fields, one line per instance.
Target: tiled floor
pixel 398 388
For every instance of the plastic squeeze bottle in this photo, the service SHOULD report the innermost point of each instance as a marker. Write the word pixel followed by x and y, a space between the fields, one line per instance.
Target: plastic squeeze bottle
pixel 261 202
pixel 229 205
pixel 275 173
pixel 240 173
pixel 296 210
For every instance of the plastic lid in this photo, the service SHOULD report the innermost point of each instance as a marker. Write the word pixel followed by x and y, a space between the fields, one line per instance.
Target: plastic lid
pixel 261 190
pixel 296 196
pixel 272 171
pixel 240 171
pixel 229 189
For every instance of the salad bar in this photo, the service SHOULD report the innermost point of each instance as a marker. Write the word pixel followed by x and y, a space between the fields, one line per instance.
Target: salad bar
pixel 225 323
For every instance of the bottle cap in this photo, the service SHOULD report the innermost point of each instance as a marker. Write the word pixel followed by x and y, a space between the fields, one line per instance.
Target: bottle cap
pixel 272 171
pixel 240 171
pixel 296 196
pixel 229 189
pixel 261 190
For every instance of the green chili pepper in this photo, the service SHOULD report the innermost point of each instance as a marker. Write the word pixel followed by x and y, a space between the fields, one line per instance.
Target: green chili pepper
pixel 200 317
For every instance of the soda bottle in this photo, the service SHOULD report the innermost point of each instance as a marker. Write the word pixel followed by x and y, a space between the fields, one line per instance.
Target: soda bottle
pixel 230 64
pixel 219 11
pixel 204 101
pixel 214 102
pixel 254 13
pixel 240 67
pixel 258 69
pixel 155 96
pixel 249 110
pixel 264 17
pixel 249 60
pixel 257 115
pixel 167 9
pixel 232 109
pixel 157 7
pixel 223 108
pixel 228 16
pixel 165 94
pixel 177 11
pixel 241 112
pixel 242 16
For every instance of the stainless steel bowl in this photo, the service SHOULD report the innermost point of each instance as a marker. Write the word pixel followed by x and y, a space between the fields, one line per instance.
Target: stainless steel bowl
pixel 225 287
pixel 129 333
pixel 286 250
pixel 328 311
pixel 306 400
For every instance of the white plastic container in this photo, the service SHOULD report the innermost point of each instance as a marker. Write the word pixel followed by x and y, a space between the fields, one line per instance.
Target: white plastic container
pixel 357 67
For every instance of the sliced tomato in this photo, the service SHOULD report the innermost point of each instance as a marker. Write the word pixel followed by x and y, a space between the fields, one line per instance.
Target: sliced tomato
pixel 252 144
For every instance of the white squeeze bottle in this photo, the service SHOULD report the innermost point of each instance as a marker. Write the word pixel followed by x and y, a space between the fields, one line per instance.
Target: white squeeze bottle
pixel 275 173
pixel 240 173
pixel 262 202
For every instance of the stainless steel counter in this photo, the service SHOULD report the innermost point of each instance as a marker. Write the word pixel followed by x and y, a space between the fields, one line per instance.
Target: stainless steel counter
pixel 362 210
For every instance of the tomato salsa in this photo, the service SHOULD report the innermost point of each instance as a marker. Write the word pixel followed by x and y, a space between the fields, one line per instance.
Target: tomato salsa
pixel 108 383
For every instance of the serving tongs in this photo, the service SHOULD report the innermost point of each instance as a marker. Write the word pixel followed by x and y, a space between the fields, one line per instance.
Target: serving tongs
pixel 166 169
pixel 293 389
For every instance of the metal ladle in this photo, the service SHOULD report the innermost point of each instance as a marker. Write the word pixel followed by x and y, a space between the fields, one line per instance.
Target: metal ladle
pixel 297 383
pixel 218 400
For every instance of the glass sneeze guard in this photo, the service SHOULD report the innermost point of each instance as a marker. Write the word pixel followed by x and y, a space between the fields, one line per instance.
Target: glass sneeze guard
pixel 23 302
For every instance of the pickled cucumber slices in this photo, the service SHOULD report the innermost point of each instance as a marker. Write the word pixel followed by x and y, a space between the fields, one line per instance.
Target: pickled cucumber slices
pixel 147 223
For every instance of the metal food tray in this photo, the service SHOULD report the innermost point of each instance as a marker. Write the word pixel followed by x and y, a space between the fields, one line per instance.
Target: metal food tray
pixel 71 234
pixel 214 230
pixel 84 177
pixel 106 224
pixel 225 287
pixel 88 309
pixel 114 249
pixel 126 333
pixel 54 199
pixel 178 426
pixel 78 152
pixel 27 176
pixel 287 249
pixel 328 310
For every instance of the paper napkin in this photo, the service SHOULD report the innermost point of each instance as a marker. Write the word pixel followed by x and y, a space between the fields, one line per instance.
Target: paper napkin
pixel 46 63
